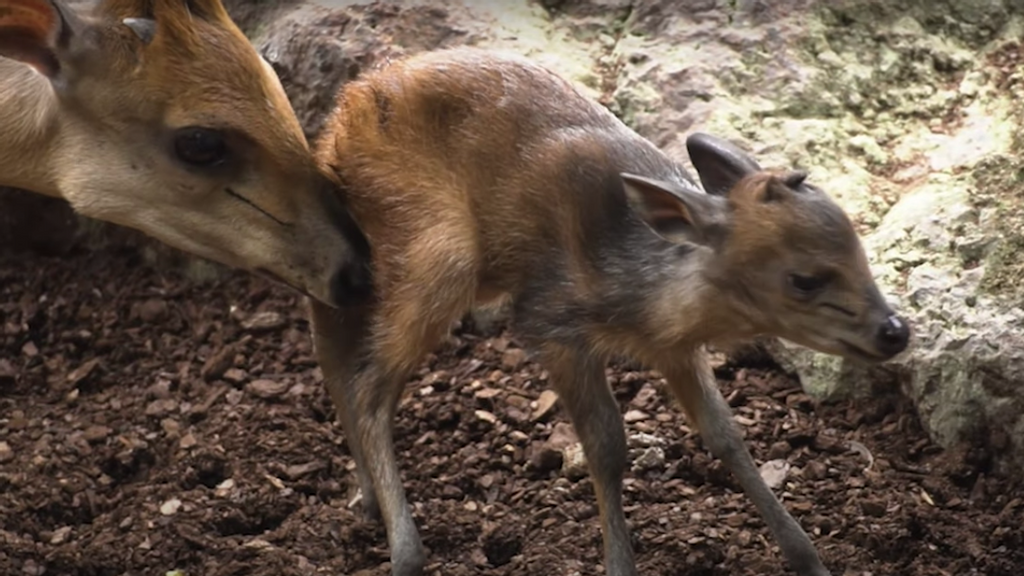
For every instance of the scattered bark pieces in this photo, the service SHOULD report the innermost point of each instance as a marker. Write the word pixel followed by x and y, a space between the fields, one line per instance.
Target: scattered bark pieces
pixel 170 507
pixel 264 322
pixel 96 433
pixel 774 472
pixel 203 444
pixel 83 371
pixel 267 389
pixel 545 404
pixel 219 363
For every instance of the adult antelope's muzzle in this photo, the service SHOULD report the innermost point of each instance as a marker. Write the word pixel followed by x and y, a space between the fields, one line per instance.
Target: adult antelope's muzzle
pixel 351 282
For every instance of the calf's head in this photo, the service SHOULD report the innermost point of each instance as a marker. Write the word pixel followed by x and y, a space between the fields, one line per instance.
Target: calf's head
pixel 783 258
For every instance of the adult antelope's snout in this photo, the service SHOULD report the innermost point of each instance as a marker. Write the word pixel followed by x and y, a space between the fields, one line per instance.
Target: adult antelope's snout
pixel 306 238
pixel 199 148
pixel 345 250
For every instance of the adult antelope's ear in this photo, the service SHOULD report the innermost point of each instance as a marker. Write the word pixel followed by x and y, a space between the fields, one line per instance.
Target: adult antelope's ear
pixel 676 214
pixel 38 33
pixel 174 21
pixel 719 163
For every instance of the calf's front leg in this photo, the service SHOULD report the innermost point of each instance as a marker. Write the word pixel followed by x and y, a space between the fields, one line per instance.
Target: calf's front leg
pixel 693 383
pixel 579 380
pixel 339 337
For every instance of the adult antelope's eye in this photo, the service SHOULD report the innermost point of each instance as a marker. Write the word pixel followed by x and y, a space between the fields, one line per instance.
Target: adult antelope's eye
pixel 807 285
pixel 201 147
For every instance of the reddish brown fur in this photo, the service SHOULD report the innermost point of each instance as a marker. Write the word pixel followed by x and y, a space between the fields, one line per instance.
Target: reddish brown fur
pixel 429 217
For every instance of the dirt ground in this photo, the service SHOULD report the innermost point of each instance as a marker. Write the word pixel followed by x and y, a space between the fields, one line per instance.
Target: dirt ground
pixel 149 425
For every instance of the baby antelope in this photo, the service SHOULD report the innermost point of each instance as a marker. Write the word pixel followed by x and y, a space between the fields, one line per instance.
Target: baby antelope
pixel 481 178
pixel 159 115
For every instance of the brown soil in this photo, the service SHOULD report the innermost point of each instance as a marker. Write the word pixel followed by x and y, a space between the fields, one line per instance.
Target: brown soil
pixel 145 426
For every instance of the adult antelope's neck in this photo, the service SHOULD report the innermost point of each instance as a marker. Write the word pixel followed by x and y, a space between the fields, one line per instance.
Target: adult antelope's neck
pixel 29 125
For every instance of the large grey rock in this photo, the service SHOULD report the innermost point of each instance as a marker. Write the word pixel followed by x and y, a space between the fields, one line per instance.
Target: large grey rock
pixel 909 114
pixel 317 46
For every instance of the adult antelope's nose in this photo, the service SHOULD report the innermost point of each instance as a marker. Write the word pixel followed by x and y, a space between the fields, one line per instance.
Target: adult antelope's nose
pixel 352 285
pixel 893 336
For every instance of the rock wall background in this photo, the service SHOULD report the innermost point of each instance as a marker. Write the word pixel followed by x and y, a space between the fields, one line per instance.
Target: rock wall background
pixel 909 112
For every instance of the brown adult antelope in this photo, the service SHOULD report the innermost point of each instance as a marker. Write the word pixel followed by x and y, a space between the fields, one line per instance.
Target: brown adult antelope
pixel 160 115
pixel 481 178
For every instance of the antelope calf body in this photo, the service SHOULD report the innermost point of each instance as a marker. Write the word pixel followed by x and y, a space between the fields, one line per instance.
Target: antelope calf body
pixel 159 115
pixel 481 178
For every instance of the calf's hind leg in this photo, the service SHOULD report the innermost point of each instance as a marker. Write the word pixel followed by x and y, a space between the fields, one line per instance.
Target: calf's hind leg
pixel 337 338
pixel 366 397
pixel 379 351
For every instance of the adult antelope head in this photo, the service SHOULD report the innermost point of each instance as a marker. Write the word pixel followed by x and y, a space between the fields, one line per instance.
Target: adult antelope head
pixel 159 115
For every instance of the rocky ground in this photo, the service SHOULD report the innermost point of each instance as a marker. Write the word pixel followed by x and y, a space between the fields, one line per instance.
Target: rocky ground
pixel 149 424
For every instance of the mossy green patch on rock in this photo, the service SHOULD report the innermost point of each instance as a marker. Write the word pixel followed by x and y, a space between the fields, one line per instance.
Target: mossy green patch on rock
pixel 975 22
pixel 880 66
pixel 1000 183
